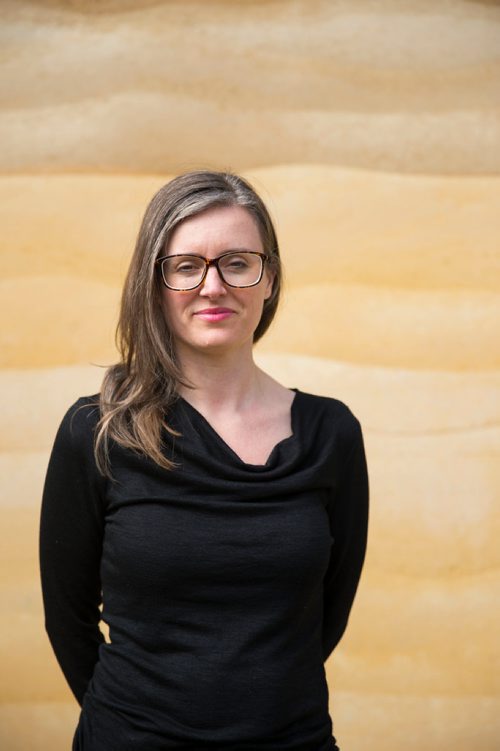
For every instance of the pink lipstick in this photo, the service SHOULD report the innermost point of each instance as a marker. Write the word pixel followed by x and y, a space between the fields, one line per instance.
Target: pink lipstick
pixel 214 314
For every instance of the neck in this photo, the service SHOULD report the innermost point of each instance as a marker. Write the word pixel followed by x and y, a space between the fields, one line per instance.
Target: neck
pixel 231 380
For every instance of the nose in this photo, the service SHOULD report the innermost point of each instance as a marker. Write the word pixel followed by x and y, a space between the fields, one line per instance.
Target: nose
pixel 213 286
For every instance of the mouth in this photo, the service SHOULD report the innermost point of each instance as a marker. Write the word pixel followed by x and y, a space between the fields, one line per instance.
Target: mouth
pixel 214 314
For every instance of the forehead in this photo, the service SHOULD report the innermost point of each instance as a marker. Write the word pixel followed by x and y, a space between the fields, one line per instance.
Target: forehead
pixel 216 230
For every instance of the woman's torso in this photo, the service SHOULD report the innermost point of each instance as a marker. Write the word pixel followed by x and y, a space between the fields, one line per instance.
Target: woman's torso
pixel 212 578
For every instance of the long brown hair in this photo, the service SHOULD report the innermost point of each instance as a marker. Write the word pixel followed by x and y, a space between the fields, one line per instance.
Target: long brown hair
pixel 137 392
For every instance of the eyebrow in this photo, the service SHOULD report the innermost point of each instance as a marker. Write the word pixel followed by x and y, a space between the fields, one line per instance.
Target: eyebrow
pixel 229 250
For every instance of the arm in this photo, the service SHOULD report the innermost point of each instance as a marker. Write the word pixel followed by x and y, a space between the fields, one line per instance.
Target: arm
pixel 71 532
pixel 349 525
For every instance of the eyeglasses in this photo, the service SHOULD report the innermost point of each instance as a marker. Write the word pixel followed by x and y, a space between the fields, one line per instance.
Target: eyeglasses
pixel 183 272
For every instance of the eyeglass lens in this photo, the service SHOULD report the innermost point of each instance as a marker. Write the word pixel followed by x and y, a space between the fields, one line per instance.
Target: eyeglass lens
pixel 237 269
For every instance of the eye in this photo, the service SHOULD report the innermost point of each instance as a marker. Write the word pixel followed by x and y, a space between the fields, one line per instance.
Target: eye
pixel 186 266
pixel 236 263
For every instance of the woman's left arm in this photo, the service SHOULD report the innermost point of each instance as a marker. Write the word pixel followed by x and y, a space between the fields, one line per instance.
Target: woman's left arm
pixel 349 528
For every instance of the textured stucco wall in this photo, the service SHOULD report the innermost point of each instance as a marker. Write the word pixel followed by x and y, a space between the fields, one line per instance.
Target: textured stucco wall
pixel 372 129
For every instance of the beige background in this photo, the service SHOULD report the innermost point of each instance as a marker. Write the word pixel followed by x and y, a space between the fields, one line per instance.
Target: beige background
pixel 372 129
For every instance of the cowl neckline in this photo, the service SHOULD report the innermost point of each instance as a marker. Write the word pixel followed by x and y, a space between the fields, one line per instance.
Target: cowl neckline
pixel 199 421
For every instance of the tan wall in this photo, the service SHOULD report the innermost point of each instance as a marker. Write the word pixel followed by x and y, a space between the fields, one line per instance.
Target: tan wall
pixel 373 131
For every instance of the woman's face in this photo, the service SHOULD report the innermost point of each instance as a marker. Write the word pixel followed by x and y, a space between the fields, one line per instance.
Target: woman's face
pixel 215 317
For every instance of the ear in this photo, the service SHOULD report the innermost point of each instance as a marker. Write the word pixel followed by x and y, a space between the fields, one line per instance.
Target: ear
pixel 269 277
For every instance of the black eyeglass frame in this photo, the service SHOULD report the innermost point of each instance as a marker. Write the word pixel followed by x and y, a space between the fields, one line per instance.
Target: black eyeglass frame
pixel 213 262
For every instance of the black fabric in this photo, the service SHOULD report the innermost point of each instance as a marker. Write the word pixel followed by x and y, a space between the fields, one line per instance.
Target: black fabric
pixel 225 585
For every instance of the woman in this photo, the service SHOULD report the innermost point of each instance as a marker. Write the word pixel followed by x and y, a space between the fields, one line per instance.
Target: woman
pixel 219 516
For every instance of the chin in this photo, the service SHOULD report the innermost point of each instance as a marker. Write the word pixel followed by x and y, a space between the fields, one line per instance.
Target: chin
pixel 220 341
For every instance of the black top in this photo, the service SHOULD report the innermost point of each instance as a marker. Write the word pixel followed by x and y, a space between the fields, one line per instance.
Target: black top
pixel 225 585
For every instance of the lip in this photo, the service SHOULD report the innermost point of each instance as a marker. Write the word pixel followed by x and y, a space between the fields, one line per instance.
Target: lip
pixel 214 314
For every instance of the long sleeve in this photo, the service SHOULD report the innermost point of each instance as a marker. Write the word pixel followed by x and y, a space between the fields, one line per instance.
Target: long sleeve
pixel 71 532
pixel 349 526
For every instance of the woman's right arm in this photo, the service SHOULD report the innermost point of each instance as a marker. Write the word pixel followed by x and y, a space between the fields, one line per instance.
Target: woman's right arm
pixel 71 534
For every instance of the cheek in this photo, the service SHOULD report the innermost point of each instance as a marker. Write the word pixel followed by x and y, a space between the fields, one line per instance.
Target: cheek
pixel 165 306
pixel 171 308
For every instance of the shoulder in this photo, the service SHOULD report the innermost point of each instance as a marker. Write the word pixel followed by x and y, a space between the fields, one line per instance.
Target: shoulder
pixel 333 415
pixel 72 462
pixel 328 406
pixel 78 424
